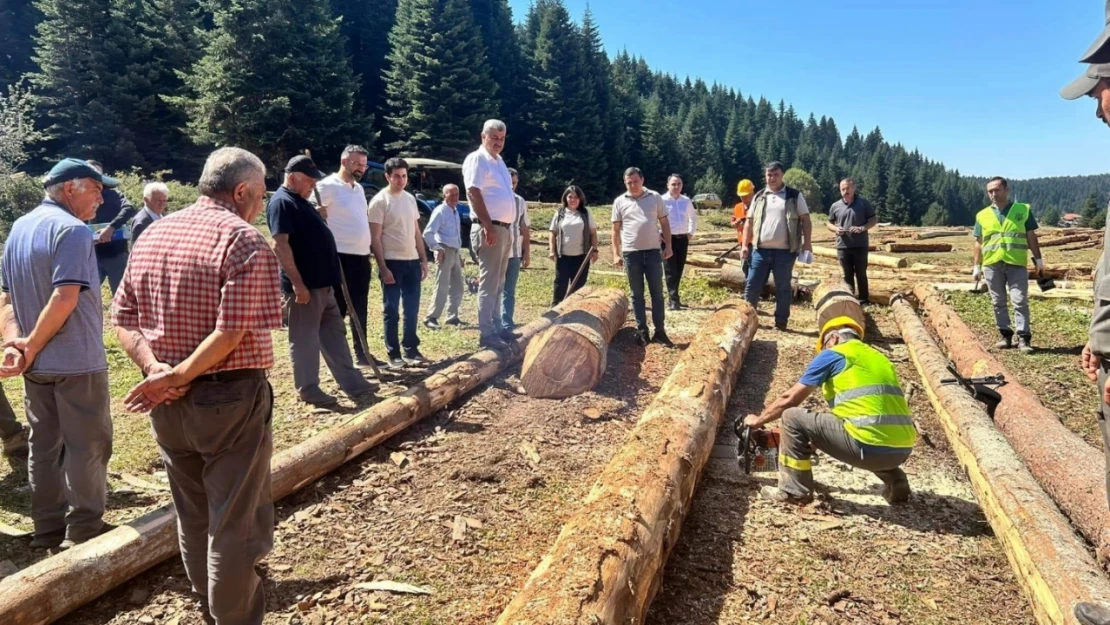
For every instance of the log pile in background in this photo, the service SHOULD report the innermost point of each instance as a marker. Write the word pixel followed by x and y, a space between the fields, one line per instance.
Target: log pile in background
pixel 913 248
pixel 1067 468
pixel 54 587
pixel 1051 565
pixel 569 358
pixel 607 562
pixel 873 259
pixel 937 234
pixel 1064 240
pixel 833 299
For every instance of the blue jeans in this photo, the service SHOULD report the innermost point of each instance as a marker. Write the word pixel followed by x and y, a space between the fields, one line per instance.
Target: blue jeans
pixel 405 289
pixel 781 264
pixel 638 266
pixel 508 295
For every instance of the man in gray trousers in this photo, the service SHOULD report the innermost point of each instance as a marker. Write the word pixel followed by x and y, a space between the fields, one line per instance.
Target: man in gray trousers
pixel 310 278
pixel 194 311
pixel 490 190
pixel 52 322
pixel 443 235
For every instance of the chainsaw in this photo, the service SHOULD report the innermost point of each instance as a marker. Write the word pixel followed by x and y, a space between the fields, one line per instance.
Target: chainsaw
pixel 758 449
pixel 982 389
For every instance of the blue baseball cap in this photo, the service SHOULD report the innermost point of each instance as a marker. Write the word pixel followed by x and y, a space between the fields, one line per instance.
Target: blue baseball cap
pixel 75 169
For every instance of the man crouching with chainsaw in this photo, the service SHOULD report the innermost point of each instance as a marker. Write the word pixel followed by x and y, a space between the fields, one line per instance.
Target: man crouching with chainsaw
pixel 870 426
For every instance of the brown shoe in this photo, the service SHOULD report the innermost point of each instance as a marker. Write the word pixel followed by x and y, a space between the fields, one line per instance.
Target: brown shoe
pixel 15 446
pixel 897 492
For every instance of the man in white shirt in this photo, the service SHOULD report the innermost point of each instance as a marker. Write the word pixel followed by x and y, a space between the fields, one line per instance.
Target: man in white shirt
pixel 344 208
pixel 684 220
pixel 520 255
pixel 490 190
pixel 398 246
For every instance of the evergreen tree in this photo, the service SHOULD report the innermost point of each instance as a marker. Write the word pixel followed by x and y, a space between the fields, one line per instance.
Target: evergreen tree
pixel 711 182
pixel 937 215
pixel 874 183
pixel 801 180
pixel 1090 208
pixel 1098 220
pixel 509 71
pixel 18 19
pixel 598 71
pixel 274 80
pixel 899 189
pixel 740 157
pixel 1050 216
pixel 699 143
pixel 439 86
pixel 363 25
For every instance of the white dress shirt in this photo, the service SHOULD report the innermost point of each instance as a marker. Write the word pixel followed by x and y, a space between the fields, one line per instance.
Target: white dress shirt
pixel 347 217
pixel 489 175
pixel 681 214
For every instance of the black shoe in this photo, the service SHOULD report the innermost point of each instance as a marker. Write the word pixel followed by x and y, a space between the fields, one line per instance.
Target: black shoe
pixel 72 542
pixel 48 540
pixel 492 342
pixel 1092 614
pixel 781 327
pixel 414 357
pixel 642 337
pixel 364 362
pixel 361 392
pixel 395 361
pixel 661 337
pixel 453 322
pixel 673 305
pixel 314 396
pixel 432 324
pixel 508 335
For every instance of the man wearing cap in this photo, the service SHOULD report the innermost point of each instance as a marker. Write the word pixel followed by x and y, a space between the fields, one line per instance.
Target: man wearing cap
pixel 868 426
pixel 850 219
pixel 489 187
pixel 195 312
pixel 306 250
pixel 1095 82
pixel 683 219
pixel 52 322
pixel 1005 233
pixel 111 238
pixel 745 191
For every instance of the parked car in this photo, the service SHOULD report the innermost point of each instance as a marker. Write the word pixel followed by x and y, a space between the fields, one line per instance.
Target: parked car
pixel 427 178
pixel 703 201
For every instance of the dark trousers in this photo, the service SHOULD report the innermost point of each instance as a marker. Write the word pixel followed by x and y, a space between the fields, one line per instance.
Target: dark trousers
pixel 216 443
pixel 675 265
pixel 853 262
pixel 641 266
pixel 356 269
pixel 566 267
pixel 111 268
pixel 405 289
pixel 781 264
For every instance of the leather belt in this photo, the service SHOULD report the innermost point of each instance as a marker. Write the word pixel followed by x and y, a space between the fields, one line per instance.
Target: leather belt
pixel 231 375
pixel 500 223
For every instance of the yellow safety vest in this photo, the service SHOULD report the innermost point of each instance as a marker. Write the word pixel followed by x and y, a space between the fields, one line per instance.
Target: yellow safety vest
pixel 1005 241
pixel 867 396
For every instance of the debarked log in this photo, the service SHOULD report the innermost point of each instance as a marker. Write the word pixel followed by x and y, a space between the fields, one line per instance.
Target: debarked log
pixel 1051 564
pixel 872 259
pixel 54 587
pixel 833 298
pixel 607 562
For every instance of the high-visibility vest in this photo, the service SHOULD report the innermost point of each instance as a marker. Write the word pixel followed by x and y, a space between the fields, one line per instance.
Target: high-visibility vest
pixel 867 396
pixel 1005 241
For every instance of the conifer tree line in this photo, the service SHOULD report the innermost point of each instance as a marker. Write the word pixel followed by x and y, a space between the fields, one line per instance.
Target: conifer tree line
pixel 155 84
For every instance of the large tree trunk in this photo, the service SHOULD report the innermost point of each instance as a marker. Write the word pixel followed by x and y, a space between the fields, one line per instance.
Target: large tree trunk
pixel 569 357
pixel 60 584
pixel 834 299
pixel 921 236
pixel 1052 566
pixel 904 248
pixel 1070 470
pixel 1064 240
pixel 607 563
pixel 872 259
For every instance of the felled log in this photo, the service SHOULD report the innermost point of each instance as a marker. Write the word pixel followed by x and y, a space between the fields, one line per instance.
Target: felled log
pixel 1068 469
pixel 937 234
pixel 569 358
pixel 1071 238
pixel 708 261
pixel 1087 245
pixel 905 248
pixel 873 259
pixel 1079 295
pixel 54 587
pixel 1063 270
pixel 1052 566
pixel 732 277
pixel 607 562
pixel 833 299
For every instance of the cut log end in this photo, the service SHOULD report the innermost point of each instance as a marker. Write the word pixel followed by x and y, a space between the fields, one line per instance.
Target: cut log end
pixel 563 363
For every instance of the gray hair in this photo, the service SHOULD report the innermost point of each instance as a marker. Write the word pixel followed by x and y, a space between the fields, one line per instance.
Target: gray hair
pixel 450 186
pixel 495 125
pixel 354 149
pixel 55 191
pixel 227 168
pixel 155 187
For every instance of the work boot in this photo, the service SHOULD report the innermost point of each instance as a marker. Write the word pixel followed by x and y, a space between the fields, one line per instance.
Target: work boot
pixel 15 446
pixel 1006 342
pixel 898 491
pixel 314 396
pixel 778 495
pixel 1092 614
pixel 1025 345
pixel 48 540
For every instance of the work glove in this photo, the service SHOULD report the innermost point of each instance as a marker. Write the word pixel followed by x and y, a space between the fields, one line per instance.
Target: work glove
pixel 1039 264
pixel 976 273
pixel 806 257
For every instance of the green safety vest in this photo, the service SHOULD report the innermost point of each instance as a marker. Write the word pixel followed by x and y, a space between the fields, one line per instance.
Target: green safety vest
pixel 867 396
pixel 1005 241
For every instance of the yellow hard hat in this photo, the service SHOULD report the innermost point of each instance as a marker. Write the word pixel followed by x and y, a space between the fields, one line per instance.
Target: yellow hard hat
pixel 834 323
pixel 745 187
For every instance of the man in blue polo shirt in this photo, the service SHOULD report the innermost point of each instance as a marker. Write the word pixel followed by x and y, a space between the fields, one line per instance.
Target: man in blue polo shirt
pixel 53 328
pixel 306 250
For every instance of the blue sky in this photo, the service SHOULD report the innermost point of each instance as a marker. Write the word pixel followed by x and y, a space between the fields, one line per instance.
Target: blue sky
pixel 972 83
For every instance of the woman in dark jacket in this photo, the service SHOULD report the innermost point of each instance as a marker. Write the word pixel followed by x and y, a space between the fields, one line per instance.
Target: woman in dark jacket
pixel 573 235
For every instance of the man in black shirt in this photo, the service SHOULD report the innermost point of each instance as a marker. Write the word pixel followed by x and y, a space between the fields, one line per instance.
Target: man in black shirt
pixel 306 250
pixel 111 237
pixel 850 219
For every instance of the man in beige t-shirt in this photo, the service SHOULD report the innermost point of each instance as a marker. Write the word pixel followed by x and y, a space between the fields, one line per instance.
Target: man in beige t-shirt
pixel 398 247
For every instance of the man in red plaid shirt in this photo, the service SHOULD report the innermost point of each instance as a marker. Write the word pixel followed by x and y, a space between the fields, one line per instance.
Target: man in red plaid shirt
pixel 194 311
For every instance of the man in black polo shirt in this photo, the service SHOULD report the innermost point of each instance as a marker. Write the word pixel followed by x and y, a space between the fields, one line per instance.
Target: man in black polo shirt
pixel 306 250
pixel 111 234
pixel 850 219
